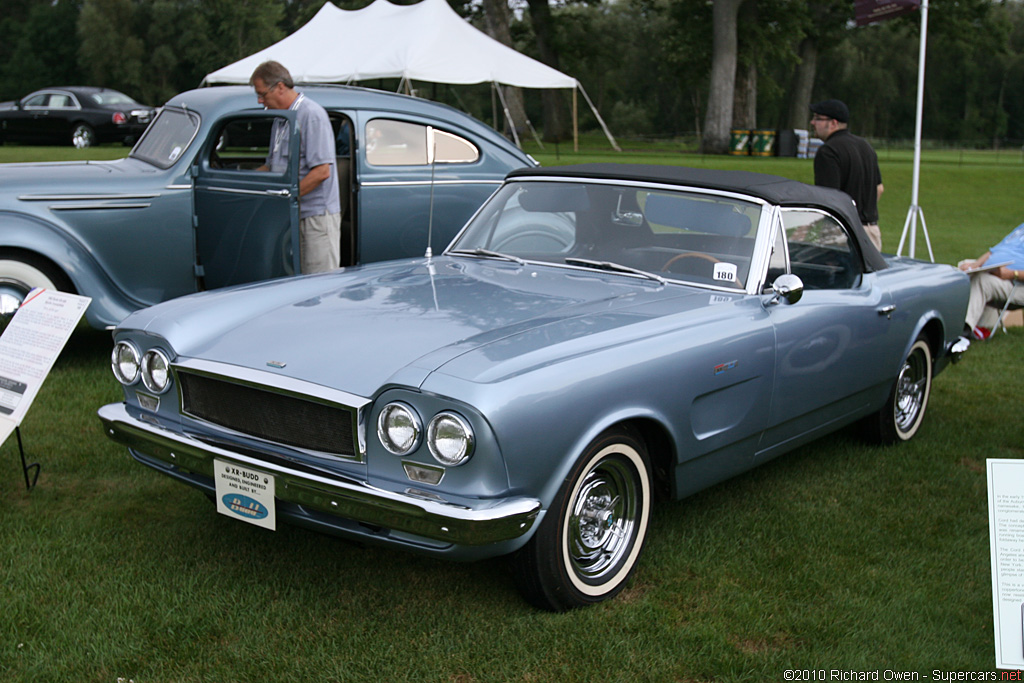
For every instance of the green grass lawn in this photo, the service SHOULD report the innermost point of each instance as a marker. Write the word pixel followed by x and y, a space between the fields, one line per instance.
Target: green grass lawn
pixel 837 556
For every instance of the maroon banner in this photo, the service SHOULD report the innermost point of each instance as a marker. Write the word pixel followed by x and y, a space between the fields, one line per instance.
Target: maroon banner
pixel 873 11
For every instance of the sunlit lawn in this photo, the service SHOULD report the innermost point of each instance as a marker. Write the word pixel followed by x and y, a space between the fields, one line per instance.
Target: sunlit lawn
pixel 837 556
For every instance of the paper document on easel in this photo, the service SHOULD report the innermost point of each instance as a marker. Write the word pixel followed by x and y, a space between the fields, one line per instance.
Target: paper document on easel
pixel 29 347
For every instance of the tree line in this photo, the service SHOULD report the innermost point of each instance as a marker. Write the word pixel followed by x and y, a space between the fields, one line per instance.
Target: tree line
pixel 658 68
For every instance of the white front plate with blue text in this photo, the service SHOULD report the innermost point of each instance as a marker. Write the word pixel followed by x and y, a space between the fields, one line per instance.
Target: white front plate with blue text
pixel 245 494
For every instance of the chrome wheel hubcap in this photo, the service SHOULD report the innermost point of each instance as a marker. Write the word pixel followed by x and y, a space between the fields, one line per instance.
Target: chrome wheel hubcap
pixel 603 523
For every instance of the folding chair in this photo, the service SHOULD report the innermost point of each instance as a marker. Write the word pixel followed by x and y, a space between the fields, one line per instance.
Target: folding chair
pixel 1008 306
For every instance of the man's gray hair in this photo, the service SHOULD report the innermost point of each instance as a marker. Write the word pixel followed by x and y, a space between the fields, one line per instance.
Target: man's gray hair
pixel 272 72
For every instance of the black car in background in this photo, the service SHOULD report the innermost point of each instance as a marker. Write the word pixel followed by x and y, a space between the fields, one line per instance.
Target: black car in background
pixel 80 115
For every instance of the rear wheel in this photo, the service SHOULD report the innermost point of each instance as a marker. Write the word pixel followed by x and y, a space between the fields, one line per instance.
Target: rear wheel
pixel 82 136
pixel 903 413
pixel 589 542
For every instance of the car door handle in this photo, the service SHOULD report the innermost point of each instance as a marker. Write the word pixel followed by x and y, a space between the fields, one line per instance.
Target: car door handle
pixel 887 310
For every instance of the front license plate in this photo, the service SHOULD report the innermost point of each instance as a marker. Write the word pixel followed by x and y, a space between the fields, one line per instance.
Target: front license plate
pixel 245 494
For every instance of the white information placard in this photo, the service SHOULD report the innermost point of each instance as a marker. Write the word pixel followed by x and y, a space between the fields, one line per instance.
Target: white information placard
pixel 1006 540
pixel 29 347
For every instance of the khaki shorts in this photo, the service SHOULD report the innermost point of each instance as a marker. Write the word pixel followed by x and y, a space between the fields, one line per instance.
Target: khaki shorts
pixel 320 242
pixel 874 234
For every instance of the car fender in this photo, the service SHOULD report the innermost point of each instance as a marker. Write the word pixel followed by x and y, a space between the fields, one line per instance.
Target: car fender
pixel 619 416
pixel 54 243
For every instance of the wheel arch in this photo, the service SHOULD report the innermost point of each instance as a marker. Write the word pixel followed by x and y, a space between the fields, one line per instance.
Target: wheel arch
pixel 661 452
pixel 652 432
pixel 41 261
pixel 933 330
pixel 51 245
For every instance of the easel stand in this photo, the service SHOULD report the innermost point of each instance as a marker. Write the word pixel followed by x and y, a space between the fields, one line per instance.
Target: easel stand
pixel 34 468
pixel 910 227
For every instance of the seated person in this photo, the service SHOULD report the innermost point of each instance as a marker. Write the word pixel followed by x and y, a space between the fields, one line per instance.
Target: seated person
pixel 995 286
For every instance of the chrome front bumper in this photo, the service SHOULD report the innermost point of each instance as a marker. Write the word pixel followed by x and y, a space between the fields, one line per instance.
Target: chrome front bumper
pixel 337 496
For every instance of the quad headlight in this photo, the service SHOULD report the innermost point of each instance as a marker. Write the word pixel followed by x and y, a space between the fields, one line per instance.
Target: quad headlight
pixel 450 439
pixel 399 429
pixel 156 371
pixel 126 362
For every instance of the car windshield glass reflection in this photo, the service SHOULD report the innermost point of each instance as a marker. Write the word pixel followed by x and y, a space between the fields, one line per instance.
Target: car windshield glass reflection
pixel 167 137
pixel 112 98
pixel 693 237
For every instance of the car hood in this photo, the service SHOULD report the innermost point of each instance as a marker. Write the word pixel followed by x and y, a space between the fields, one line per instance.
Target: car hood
pixel 68 177
pixel 366 328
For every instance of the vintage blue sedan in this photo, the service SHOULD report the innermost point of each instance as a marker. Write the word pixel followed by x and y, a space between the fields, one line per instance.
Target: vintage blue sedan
pixel 597 336
pixel 187 211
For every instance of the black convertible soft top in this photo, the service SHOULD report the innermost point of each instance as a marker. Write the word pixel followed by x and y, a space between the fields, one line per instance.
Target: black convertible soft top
pixel 771 188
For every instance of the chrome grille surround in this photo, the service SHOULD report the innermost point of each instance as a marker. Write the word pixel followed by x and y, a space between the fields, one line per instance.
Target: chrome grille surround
pixel 271 408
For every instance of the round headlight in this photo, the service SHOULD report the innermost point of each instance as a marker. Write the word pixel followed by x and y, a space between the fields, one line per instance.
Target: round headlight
pixel 399 429
pixel 124 361
pixel 156 371
pixel 450 439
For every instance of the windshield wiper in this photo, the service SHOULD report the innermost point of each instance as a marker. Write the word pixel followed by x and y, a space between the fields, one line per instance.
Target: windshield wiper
pixel 614 267
pixel 489 254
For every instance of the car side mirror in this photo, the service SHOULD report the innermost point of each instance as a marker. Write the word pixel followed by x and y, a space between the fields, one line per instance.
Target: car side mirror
pixel 789 287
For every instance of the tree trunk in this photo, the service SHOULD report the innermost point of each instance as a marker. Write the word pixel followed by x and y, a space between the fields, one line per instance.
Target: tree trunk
pixel 554 110
pixel 718 120
pixel 496 22
pixel 744 101
pixel 803 85
pixel 744 107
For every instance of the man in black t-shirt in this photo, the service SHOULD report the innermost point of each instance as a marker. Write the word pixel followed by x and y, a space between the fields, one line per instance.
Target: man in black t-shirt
pixel 848 163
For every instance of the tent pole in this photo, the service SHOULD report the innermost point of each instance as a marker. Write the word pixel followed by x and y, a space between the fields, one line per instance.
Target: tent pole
pixel 494 105
pixel 533 130
pixel 508 116
pixel 604 127
pixel 575 122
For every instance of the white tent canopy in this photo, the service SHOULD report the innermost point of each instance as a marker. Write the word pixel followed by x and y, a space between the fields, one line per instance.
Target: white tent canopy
pixel 427 41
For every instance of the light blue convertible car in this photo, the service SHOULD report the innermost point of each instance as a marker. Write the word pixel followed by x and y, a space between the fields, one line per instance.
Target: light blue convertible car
pixel 597 337
pixel 186 211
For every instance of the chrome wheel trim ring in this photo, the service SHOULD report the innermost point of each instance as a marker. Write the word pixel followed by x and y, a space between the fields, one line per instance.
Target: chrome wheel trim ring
pixel 606 520
pixel 912 390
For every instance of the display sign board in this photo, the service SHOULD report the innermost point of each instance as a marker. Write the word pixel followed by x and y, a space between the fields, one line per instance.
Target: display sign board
pixel 873 11
pixel 29 347
pixel 1006 540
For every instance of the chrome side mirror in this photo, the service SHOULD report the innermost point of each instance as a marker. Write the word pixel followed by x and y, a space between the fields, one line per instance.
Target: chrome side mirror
pixel 787 286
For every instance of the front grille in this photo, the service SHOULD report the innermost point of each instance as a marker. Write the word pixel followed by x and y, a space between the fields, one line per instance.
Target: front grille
pixel 268 415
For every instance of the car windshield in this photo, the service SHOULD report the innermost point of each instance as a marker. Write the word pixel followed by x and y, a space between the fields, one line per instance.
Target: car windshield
pixel 167 137
pixel 694 237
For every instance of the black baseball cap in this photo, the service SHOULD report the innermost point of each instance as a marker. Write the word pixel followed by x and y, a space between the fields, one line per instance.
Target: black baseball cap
pixel 834 109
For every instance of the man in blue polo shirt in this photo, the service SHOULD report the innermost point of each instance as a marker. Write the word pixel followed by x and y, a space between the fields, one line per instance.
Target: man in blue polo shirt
pixel 319 204
pixel 996 285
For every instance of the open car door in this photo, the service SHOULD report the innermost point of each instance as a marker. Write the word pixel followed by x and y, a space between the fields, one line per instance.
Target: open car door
pixel 246 220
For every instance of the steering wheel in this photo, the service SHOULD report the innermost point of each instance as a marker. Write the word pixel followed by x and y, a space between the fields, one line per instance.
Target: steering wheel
pixel 700 255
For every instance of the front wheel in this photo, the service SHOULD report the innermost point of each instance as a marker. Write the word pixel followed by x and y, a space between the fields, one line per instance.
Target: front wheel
pixel 903 413
pixel 589 542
